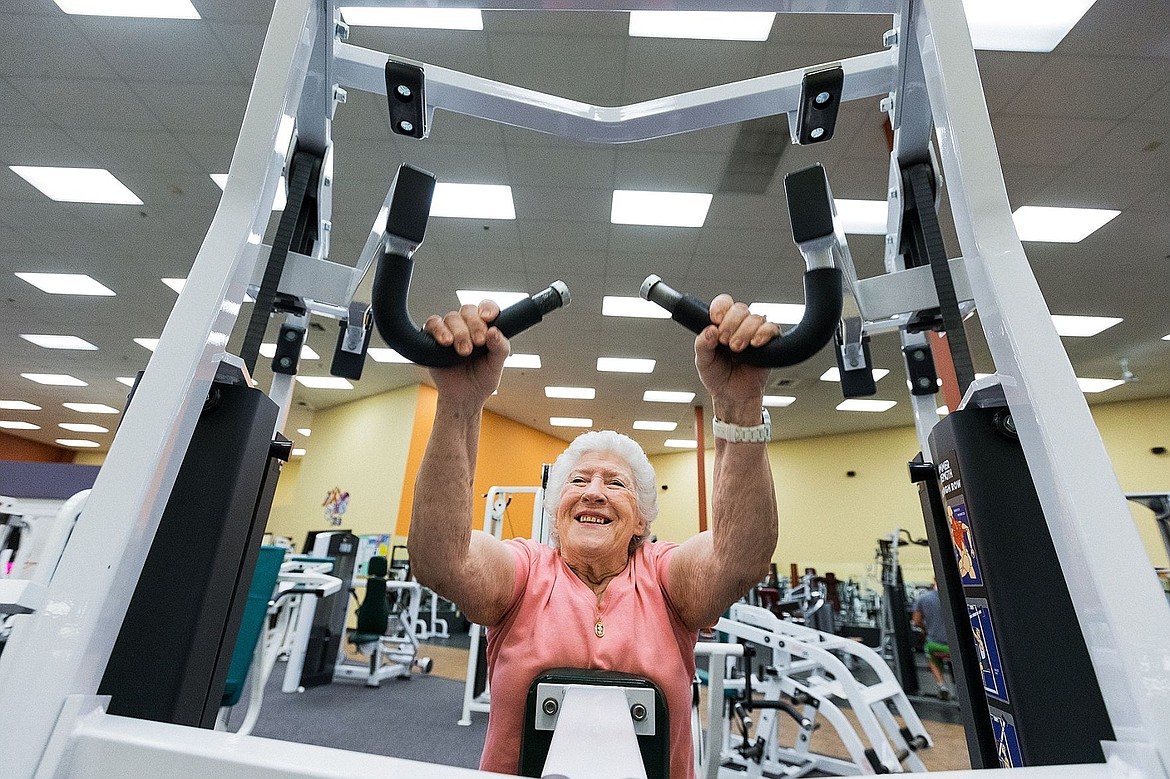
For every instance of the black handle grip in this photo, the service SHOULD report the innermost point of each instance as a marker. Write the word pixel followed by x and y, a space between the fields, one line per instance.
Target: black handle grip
pixel 822 312
pixel 391 286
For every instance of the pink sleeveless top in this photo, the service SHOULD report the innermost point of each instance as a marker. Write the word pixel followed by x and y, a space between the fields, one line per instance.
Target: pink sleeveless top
pixel 551 624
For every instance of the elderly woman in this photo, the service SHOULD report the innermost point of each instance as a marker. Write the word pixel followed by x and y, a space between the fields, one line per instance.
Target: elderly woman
pixel 601 598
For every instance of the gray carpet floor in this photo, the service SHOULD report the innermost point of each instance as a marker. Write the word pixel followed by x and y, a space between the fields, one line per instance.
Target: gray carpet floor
pixel 411 718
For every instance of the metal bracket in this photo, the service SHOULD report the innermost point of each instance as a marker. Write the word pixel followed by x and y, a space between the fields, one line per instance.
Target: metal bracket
pixel 640 700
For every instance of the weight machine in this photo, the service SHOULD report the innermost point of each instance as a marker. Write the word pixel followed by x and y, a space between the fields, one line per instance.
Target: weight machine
pixel 927 79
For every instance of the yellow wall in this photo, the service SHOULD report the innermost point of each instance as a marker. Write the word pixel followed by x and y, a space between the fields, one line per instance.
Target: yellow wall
pixel 360 448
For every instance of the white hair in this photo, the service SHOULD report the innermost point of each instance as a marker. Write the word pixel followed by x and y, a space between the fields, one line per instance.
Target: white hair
pixel 598 442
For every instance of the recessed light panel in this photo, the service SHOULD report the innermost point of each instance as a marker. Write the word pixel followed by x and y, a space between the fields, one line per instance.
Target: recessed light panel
pixel 55 379
pixel 663 396
pixel 142 9
pixel 473 297
pixel 1059 225
pixel 834 374
pixel 66 284
pixel 149 344
pixel 175 284
pixel 625 365
pixel 90 408
pixel 778 401
pixel 278 202
pixel 60 342
pixel 659 209
pixel 522 361
pixel 473 201
pixel 305 431
pixel 570 422
pixel 862 217
pixel 19 426
pixel 79 443
pixel 650 424
pixel 1022 25
pixel 324 382
pixel 83 427
pixel 780 313
pixel 616 305
pixel 77 185
pixel 1083 326
pixel 418 18
pixel 859 404
pixel 127 380
pixel 382 354
pixel 18 405
pixel 572 393
pixel 1098 385
pixel 307 353
pixel 298 452
pixel 702 25
pixel 681 443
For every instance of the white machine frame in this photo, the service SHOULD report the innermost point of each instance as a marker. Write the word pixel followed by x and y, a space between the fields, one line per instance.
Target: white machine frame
pixel 928 79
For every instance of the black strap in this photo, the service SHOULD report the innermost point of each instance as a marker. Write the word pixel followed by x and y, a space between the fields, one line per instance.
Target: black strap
pixel 931 244
pixel 303 172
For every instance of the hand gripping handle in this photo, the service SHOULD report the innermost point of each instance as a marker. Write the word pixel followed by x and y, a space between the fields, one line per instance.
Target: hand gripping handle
pixel 822 312
pixel 391 285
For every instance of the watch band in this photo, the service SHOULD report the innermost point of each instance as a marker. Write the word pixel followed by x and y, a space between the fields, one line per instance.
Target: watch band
pixel 756 434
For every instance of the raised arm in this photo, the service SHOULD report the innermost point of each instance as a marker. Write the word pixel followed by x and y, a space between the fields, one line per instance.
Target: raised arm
pixel 713 569
pixel 469 567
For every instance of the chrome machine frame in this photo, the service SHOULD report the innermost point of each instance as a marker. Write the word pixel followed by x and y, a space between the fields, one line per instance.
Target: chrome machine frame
pixel 929 83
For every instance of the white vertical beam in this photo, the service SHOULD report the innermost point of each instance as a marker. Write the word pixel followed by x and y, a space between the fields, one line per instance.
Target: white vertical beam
pixel 1120 606
pixel 63 649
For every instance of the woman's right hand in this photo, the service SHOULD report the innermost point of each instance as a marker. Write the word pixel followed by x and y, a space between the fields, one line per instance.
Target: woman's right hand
pixel 473 380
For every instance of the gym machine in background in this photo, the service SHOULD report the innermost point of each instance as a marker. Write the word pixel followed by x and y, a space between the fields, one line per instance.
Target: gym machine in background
pixel 926 77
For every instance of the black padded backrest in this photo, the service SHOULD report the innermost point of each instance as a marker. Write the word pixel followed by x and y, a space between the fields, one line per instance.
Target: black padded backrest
pixel 374 611
pixel 376 566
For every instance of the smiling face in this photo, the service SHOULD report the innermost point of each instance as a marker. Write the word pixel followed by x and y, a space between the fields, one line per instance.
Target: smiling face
pixel 597 515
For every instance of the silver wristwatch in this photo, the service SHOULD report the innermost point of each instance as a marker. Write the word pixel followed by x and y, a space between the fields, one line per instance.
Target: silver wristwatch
pixel 756 434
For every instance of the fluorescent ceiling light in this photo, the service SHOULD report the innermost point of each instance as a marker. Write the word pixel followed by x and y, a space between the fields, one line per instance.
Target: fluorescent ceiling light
pixel 1166 337
pixel 702 25
pixel 1022 25
pixel 127 380
pixel 573 393
pixel 648 424
pixel 473 297
pixel 269 351
pixel 66 284
pixel 77 442
pixel 19 426
pixel 522 361
pixel 175 284
pixel 305 431
pixel 56 379
pixel 834 374
pixel 780 313
pixel 1083 326
pixel 473 201
pixel 625 365
pixel 680 443
pixel 1098 385
pixel 278 202
pixel 1059 225
pixel 83 427
pixel 18 405
pixel 659 209
pixel 857 404
pixel 419 18
pixel 324 382
pixel 570 422
pixel 90 408
pixel 778 401
pixel 382 354
pixel 147 343
pixel 60 342
pixel 77 185
pixel 615 305
pixel 142 9
pixel 663 396
pixel 298 452
pixel 862 217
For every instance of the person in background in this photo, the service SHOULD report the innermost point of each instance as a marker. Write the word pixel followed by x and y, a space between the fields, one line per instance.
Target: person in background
pixel 600 597
pixel 928 617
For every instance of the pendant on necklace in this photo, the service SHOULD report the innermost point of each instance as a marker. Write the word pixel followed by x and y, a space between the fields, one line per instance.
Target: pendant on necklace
pixel 599 629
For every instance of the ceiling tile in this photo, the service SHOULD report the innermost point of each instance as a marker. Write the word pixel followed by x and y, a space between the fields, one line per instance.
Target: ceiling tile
pixel 1087 87
pixel 174 50
pixel 48 47
pixel 98 105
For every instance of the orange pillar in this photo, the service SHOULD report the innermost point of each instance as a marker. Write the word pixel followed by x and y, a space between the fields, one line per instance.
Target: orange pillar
pixel 701 460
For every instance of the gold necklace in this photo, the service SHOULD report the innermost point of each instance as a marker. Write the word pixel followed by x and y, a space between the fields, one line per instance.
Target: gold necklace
pixel 599 628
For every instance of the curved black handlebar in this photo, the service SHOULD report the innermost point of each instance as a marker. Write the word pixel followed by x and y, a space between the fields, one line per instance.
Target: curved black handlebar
pixel 391 285
pixel 822 312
